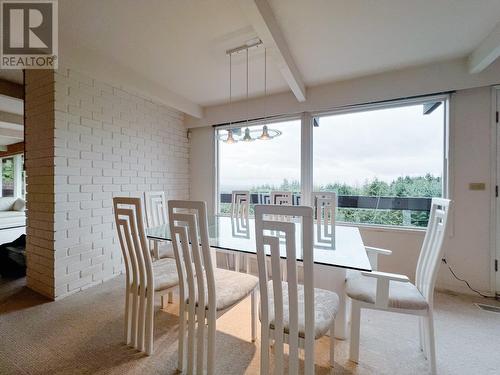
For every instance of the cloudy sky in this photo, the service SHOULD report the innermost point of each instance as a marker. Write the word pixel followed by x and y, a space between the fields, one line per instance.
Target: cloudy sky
pixel 350 148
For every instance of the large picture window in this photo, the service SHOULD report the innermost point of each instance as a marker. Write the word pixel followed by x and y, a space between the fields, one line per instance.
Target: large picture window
pixel 385 164
pixel 249 161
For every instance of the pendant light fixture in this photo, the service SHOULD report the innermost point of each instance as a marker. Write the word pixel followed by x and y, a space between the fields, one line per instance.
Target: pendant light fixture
pixel 265 132
pixel 237 134
pixel 247 137
pixel 230 139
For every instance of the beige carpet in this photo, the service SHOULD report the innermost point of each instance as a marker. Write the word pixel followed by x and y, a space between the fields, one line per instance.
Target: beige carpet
pixel 83 334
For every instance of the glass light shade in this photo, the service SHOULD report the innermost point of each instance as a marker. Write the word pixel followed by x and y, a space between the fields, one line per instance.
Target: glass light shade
pixel 247 137
pixel 265 134
pixel 230 139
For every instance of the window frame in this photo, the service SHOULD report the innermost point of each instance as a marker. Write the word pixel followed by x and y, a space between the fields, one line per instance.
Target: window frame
pixel 255 122
pixel 307 147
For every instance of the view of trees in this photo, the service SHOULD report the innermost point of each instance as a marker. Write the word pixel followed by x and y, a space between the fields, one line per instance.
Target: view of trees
pixel 427 186
pixel 7 177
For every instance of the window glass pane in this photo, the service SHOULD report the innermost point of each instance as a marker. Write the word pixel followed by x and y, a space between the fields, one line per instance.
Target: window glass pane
pixel 259 166
pixel 7 177
pixel 385 164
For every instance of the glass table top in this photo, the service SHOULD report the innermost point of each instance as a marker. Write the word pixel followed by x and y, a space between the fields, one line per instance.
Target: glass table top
pixel 346 250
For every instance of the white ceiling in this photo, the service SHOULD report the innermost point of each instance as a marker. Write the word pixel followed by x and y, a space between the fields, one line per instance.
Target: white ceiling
pixel 180 44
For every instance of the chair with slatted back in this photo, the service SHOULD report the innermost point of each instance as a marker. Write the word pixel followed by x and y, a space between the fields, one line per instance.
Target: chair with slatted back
pixel 240 208
pixel 240 203
pixel 395 293
pixel 205 292
pixel 156 215
pixel 281 198
pixel 325 206
pixel 143 278
pixel 289 312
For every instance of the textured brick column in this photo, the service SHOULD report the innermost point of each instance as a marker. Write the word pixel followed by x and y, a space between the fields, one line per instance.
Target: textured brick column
pixel 39 164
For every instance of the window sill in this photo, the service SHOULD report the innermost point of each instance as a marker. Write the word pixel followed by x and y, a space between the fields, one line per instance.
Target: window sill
pixel 372 227
pixel 384 228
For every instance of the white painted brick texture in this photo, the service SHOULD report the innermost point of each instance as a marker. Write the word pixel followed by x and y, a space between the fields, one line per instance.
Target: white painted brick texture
pixel 108 142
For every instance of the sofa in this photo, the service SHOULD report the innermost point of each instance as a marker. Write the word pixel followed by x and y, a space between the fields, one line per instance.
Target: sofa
pixel 12 212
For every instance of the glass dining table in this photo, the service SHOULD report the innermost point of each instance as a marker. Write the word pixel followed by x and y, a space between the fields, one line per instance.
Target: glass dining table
pixel 238 235
pixel 333 257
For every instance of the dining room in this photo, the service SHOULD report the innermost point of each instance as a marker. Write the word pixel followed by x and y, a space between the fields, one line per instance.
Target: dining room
pixel 281 187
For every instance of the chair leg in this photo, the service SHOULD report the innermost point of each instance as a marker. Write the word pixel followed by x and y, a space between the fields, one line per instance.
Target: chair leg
pixel 191 337
pixel 170 297
pixel 200 355
pixel 135 317
pixel 425 337
pixel 149 328
pixel 237 258
pixel 182 336
pixel 332 346
pixel 211 344
pixel 247 264
pixel 156 250
pixel 355 327
pixel 431 343
pixel 421 334
pixel 253 313
pixel 264 349
pixel 128 317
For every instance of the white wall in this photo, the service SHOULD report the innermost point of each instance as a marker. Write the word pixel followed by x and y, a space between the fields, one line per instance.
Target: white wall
pixel 468 250
pixel 422 80
pixel 102 142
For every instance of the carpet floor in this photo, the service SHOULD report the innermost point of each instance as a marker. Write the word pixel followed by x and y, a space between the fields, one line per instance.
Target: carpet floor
pixel 83 334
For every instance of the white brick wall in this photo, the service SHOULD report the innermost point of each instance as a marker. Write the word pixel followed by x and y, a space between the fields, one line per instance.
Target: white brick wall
pixel 39 164
pixel 108 142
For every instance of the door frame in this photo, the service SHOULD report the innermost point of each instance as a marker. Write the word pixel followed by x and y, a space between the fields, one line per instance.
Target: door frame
pixel 495 200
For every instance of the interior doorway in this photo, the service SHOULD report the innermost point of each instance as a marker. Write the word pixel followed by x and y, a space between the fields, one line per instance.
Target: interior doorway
pixel 12 184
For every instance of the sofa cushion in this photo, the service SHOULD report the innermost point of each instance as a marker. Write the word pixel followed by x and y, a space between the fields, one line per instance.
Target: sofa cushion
pixel 19 204
pixel 9 219
pixel 6 203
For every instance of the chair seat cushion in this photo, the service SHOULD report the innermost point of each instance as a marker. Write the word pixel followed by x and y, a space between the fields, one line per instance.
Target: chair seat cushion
pixel 166 250
pixel 231 287
pixel 326 307
pixel 401 295
pixel 165 274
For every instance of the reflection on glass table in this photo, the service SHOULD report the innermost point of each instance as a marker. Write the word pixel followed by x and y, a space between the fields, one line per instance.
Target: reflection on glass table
pixel 238 235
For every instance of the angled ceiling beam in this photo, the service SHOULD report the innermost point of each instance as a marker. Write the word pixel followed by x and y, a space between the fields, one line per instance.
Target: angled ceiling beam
pixel 260 15
pixel 11 89
pixel 11 118
pixel 486 53
pixel 12 133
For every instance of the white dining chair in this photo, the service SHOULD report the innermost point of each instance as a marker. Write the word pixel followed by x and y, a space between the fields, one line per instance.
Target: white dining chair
pixel 240 209
pixel 289 312
pixel 325 207
pixel 143 278
pixel 205 292
pixel 156 215
pixel 282 198
pixel 395 293
pixel 240 203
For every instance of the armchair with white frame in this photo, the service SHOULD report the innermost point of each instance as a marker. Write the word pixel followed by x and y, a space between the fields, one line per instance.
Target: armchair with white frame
pixel 395 293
